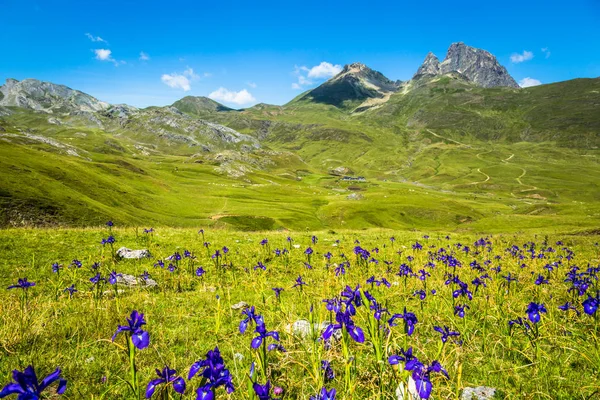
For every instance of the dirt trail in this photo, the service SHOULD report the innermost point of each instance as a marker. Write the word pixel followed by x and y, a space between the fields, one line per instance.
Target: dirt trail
pixel 445 138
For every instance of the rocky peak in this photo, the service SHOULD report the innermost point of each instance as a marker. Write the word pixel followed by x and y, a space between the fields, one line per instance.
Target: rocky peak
pixel 477 65
pixel 48 97
pixel 430 66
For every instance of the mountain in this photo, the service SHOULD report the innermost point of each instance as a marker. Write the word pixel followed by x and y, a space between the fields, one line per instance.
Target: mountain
pixel 477 65
pixel 47 97
pixel 199 105
pixel 352 86
pixel 440 151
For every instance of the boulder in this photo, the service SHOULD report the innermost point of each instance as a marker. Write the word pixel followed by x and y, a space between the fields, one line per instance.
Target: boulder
pixel 132 281
pixel 478 393
pixel 124 252
pixel 239 306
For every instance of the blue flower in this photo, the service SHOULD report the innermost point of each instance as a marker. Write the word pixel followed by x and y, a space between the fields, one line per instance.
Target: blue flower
pixel 166 376
pixel 27 387
pixel 22 284
pixel 446 332
pixel 250 317
pixel 139 337
pixel 344 321
pixel 534 310
pixel 410 320
pixel 324 395
pixel 214 374
pixel 261 329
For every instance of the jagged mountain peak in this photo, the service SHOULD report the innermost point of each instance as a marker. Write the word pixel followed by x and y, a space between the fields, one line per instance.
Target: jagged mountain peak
pixel 48 97
pixel 477 65
pixel 430 66
pixel 355 83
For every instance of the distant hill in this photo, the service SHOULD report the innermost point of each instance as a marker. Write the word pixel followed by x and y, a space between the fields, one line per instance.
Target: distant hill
pixel 458 147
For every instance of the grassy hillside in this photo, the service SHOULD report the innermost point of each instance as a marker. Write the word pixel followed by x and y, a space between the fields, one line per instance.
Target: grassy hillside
pixel 441 154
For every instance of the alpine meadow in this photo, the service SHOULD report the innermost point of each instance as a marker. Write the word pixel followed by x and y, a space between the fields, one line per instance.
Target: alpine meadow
pixel 433 237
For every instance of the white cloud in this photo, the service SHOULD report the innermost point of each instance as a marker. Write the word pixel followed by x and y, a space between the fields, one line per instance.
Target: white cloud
pixel 228 96
pixel 176 81
pixel 546 51
pixel 144 56
pixel 528 82
pixel 519 58
pixel 95 38
pixel 189 72
pixel 106 55
pixel 181 80
pixel 324 70
pixel 252 85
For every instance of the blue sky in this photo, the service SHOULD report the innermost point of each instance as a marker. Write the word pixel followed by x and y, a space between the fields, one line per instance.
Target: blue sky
pixel 244 52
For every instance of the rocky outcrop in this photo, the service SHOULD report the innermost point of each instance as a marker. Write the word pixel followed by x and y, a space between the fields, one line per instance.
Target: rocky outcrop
pixel 431 66
pixel 476 65
pixel 47 97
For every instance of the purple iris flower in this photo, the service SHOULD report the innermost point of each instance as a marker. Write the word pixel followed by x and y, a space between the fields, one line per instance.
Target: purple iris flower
pixel 446 332
pixel 76 263
pixel 519 321
pixel 328 373
pixel 22 283
pixel 214 374
pixel 568 306
pixel 541 280
pixel 314 239
pixel 262 391
pixel 276 346
pixel 334 304
pixel 459 310
pixel 340 270
pixel 463 291
pixel 27 387
pixel 145 276
pixel 344 321
pixel 160 263
pixel 590 305
pixel 421 375
pixel 263 334
pixel 378 310
pixel 108 240
pixel 139 337
pixel 71 289
pixel 112 278
pixel 56 267
pixel 251 316
pixel 200 271
pixel 261 266
pixel 110 224
pixel 149 230
pixel 410 320
pixel 406 356
pixel 277 291
pixel 264 242
pixel 421 293
pixel 166 376
pixel 96 279
pixel 308 251
pixel 534 310
pixel 324 395
pixel 299 282
pixel 353 298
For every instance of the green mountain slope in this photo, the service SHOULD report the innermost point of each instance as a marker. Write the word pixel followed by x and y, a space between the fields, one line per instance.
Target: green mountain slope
pixel 437 153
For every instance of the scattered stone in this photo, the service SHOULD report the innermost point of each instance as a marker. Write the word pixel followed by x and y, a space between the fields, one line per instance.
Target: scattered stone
pixel 124 252
pixel 131 281
pixel 89 360
pixel 407 393
pixel 238 356
pixel 478 393
pixel 239 306
pixel 355 196
pixel 302 329
pixel 339 171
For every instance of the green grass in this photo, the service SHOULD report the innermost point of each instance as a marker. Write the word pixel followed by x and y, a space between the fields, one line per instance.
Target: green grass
pixel 187 315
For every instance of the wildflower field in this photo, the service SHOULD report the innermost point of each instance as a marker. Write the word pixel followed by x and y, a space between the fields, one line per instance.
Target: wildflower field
pixel 297 315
